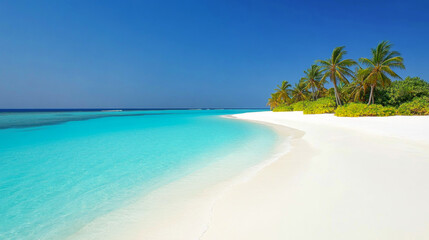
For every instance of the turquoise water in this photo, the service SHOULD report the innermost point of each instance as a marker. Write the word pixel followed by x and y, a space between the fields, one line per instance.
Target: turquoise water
pixel 61 170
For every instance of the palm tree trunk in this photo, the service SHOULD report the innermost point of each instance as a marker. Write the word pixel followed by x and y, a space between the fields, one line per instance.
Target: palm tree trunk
pixel 371 95
pixel 337 97
pixel 314 93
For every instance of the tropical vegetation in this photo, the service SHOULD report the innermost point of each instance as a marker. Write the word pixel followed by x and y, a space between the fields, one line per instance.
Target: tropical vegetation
pixel 379 67
pixel 362 109
pixel 372 88
pixel 337 69
pixel 418 106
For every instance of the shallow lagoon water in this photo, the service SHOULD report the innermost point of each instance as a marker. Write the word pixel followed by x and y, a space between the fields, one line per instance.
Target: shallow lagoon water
pixel 62 170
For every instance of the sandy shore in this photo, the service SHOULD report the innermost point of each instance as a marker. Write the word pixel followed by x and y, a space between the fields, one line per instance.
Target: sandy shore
pixel 344 178
pixel 182 209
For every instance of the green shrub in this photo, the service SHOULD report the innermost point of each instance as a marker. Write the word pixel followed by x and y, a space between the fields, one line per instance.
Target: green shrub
pixel 283 108
pixel 299 106
pixel 362 109
pixel 401 91
pixel 322 105
pixel 419 106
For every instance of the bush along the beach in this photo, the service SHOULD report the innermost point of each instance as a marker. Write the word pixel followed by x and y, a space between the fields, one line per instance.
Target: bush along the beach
pixel 419 106
pixel 283 108
pixel 400 92
pixel 322 105
pixel 299 106
pixel 362 110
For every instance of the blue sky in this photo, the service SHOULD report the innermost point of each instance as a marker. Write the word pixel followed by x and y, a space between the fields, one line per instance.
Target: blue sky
pixel 168 54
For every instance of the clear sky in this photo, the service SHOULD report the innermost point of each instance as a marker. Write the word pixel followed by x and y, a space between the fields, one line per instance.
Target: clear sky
pixel 167 54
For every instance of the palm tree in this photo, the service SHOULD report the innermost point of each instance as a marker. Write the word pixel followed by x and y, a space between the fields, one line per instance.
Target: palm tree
pixel 337 68
pixel 274 100
pixel 359 87
pixel 379 67
pixel 299 92
pixel 323 92
pixel 312 80
pixel 284 91
pixel 344 92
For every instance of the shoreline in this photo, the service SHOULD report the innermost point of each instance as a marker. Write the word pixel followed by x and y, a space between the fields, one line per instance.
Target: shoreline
pixel 339 181
pixel 184 207
pixel 333 181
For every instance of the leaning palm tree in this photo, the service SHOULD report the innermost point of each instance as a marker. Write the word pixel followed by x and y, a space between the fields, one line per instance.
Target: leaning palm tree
pixel 312 80
pixel 299 92
pixel 284 91
pixel 379 67
pixel 337 68
pixel 274 100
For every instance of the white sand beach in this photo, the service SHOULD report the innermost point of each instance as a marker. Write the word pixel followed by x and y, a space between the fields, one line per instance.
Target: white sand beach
pixel 344 178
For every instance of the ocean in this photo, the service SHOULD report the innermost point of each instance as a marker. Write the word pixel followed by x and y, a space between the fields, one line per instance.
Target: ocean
pixel 61 170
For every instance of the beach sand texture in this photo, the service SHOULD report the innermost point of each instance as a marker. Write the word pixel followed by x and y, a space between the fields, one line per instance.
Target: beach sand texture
pixel 344 178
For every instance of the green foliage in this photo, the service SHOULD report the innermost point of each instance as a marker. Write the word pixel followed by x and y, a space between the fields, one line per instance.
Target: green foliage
pixel 312 81
pixel 361 109
pixel 299 106
pixel 330 93
pixel 400 92
pixel 299 92
pixel 358 89
pixel 344 92
pixel 370 84
pixel 283 108
pixel 419 106
pixel 322 105
pixel 283 91
pixel 280 96
pixel 380 67
pixel 337 69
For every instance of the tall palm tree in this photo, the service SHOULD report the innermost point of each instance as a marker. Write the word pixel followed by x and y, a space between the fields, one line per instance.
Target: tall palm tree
pixel 284 91
pixel 312 80
pixel 274 100
pixel 379 67
pixel 337 68
pixel 299 92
